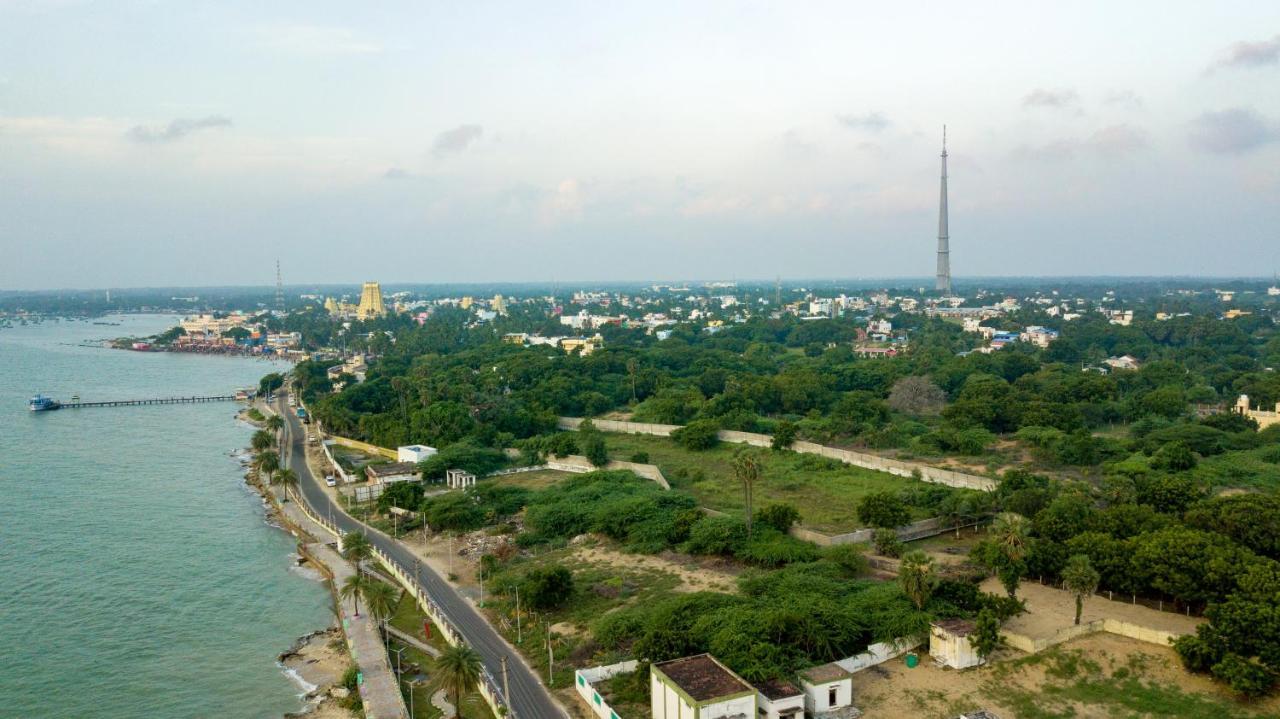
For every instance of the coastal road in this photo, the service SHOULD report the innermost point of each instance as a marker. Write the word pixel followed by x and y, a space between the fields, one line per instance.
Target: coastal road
pixel 529 698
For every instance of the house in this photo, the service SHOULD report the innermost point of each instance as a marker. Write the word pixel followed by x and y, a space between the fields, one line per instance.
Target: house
pixel 875 352
pixel 392 472
pixel 414 453
pixel 1039 336
pixel 779 700
pixel 949 643
pixel 828 692
pixel 699 687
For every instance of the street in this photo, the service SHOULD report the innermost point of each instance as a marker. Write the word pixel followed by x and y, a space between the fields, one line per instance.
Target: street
pixel 529 698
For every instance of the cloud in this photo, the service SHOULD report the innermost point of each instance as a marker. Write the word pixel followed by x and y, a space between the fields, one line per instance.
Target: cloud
pixel 396 173
pixel 1117 140
pixel 1127 99
pixel 456 140
pixel 1250 54
pixel 1233 131
pixel 871 122
pixel 316 40
pixel 1064 99
pixel 177 129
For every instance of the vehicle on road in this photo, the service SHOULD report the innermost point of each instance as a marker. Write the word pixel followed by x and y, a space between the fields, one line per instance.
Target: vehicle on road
pixel 330 480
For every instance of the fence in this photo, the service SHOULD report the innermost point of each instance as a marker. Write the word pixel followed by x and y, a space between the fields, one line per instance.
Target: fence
pixel 935 475
pixel 879 654
pixel 583 679
pixel 337 468
pixel 1112 626
pixel 579 464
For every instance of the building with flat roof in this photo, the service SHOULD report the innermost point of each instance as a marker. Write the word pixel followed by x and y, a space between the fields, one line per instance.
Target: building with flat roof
pixel 414 453
pixel 699 687
pixel 828 692
pixel 392 473
pixel 949 643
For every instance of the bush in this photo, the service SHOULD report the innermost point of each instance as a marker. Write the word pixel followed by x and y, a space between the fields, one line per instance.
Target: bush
pixel 784 435
pixel 887 543
pixel 771 548
pixel 849 557
pixel 455 511
pixel 698 435
pixel 463 455
pixel 547 587
pixel 724 536
pixel 640 458
pixel 779 516
pixel 883 509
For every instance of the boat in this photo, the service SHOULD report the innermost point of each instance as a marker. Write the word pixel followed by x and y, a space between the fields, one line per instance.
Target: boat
pixel 40 403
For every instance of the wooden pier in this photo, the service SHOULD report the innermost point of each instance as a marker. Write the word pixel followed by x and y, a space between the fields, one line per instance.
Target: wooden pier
pixel 139 402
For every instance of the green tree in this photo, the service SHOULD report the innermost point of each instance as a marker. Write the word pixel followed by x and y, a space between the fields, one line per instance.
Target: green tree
pixel 1005 550
pixel 458 669
pixel 886 542
pixel 275 423
pixel 594 448
pixel 784 435
pixel 357 548
pixel 1175 457
pixel 883 509
pixel 986 634
pixel 286 478
pixel 698 435
pixel 746 468
pixel 353 588
pixel 1081 579
pixel 267 462
pixel 380 599
pixel 547 587
pixel 779 516
pixel 918 577
pixel 262 440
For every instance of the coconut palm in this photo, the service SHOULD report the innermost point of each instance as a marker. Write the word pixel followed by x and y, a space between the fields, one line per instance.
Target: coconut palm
pixel 286 478
pixel 458 669
pixel 267 462
pixel 353 588
pixel 381 600
pixel 1081 579
pixel 917 576
pixel 1011 534
pixel 275 423
pixel 357 548
pixel 746 467
pixel 261 440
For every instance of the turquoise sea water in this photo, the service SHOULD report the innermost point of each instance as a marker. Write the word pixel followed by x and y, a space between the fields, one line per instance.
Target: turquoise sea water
pixel 138 577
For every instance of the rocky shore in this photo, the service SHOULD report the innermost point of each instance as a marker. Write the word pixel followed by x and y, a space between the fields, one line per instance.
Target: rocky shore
pixel 317 661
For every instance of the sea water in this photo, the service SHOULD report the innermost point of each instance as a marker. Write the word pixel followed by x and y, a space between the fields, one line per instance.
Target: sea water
pixel 138 577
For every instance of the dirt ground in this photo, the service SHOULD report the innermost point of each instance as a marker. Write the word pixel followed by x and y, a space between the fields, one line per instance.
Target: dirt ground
pixel 1014 681
pixel 693 576
pixel 1050 610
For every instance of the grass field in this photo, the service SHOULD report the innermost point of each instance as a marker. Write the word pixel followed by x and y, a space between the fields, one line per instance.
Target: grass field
pixel 530 480
pixel 825 494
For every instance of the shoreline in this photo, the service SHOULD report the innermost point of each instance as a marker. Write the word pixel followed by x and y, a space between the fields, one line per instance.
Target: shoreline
pixel 317 661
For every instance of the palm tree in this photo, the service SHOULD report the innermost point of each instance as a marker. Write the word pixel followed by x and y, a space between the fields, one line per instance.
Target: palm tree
pixel 353 588
pixel 261 440
pixel 267 462
pixel 381 600
pixel 286 478
pixel 1010 540
pixel 275 423
pixel 356 548
pixel 917 576
pixel 458 668
pixel 1081 579
pixel 746 467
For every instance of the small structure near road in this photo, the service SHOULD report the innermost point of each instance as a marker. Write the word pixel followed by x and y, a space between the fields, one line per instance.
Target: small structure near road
pixel 459 479
pixel 699 686
pixel 414 453
pixel 950 646
pixel 780 700
pixel 828 692
pixel 391 473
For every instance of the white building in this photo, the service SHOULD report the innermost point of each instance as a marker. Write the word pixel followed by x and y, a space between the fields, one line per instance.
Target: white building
pixel 391 473
pixel 949 643
pixel 414 453
pixel 780 700
pixel 828 692
pixel 699 687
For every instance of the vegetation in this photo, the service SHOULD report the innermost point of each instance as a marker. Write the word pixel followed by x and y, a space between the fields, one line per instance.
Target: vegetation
pixel 458 670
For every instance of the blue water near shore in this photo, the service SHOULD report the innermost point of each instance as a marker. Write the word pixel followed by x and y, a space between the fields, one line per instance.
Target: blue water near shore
pixel 138 577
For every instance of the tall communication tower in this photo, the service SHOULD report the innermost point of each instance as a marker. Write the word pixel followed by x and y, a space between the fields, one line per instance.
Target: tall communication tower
pixel 279 290
pixel 943 280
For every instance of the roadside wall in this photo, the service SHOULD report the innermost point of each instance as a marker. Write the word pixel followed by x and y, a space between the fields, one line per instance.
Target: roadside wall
pixel 879 654
pixel 583 679
pixel 935 475
pixel 365 447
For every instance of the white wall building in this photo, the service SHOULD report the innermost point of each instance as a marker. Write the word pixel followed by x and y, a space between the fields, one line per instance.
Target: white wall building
pixel 699 687
pixel 949 643
pixel 828 692
pixel 414 453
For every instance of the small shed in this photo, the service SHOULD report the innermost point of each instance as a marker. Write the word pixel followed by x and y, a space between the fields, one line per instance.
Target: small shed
pixel 828 692
pixel 414 453
pixel 391 473
pixel 950 645
pixel 779 700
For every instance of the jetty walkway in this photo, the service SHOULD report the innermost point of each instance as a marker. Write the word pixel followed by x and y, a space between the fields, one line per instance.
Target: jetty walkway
pixel 140 402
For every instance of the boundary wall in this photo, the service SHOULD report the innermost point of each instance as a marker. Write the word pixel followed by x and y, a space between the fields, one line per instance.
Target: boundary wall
pixel 935 475
pixel 583 679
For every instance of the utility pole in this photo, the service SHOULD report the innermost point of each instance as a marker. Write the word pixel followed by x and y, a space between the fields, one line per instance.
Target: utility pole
pixel 519 634
pixel 551 658
pixel 506 690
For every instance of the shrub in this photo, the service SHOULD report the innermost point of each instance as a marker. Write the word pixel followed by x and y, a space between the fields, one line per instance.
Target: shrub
pixel 640 458
pixel 883 509
pixel 455 511
pixel 887 543
pixel 784 435
pixel 771 548
pixel 547 587
pixel 716 535
pixel 699 434
pixel 779 516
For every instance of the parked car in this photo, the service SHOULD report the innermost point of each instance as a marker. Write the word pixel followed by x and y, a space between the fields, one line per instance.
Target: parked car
pixel 330 480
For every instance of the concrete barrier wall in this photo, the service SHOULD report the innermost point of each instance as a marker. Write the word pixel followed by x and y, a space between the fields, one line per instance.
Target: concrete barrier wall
pixel 584 678
pixel 935 475
pixel 581 465
pixel 1113 626
pixel 1142 634
pixel 365 447
pixel 879 654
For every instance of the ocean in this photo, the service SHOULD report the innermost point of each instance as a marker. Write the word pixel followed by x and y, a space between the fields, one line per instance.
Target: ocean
pixel 138 576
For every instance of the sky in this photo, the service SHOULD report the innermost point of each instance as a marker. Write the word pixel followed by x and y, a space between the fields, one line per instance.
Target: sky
pixel 189 143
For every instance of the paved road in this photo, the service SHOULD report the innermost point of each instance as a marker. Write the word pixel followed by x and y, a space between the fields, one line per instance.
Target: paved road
pixel 529 698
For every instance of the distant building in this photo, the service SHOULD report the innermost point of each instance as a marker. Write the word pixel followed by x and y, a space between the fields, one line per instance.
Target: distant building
pixel 699 687
pixel 1263 418
pixel 414 453
pixel 1039 336
pixel 459 479
pixel 1122 362
pixel 370 306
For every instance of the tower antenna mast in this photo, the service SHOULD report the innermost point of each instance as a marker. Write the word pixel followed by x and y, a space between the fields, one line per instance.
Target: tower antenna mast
pixel 943 280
